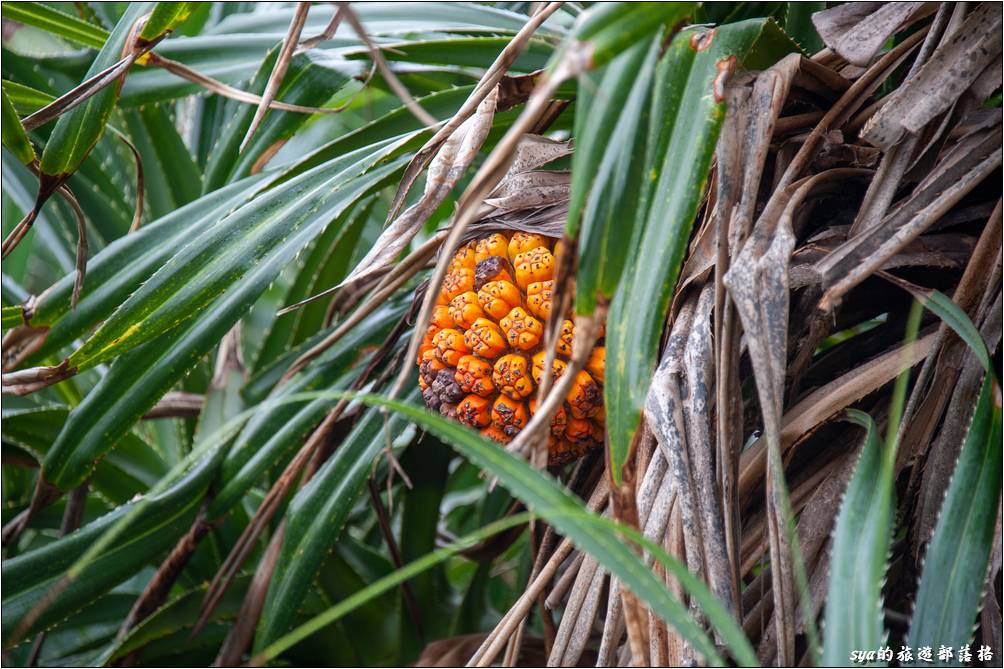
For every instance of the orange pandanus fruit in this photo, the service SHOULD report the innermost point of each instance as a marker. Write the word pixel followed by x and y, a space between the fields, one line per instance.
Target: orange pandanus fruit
pixel 482 357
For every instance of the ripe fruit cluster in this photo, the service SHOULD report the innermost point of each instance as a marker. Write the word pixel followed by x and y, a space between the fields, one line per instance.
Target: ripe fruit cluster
pixel 483 356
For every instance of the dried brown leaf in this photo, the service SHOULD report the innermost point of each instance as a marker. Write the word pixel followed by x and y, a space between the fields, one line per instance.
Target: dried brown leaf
pixel 951 70
pixel 451 162
pixel 858 31
pixel 282 62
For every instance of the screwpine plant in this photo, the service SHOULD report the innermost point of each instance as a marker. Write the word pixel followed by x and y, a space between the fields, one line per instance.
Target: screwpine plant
pixel 375 334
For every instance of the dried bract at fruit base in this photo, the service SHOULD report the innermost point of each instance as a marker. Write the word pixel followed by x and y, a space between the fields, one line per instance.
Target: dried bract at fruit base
pixel 482 357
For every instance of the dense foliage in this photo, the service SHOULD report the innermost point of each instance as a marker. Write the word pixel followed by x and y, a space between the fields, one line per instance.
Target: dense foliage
pixel 226 230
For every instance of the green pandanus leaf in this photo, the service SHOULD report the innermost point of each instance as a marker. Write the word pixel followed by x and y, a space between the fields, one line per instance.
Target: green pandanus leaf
pixel 150 363
pixel 308 82
pixel 545 496
pixel 61 577
pixel 14 136
pixel 81 123
pixel 165 17
pixel 955 565
pixel 78 130
pixel 59 23
pixel 853 618
pixel 25 98
pixel 268 228
pixel 316 516
pixel 689 105
pixel 607 174
pixel 609 28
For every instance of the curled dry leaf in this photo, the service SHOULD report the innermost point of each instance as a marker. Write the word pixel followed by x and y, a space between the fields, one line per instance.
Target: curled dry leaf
pixel 449 165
